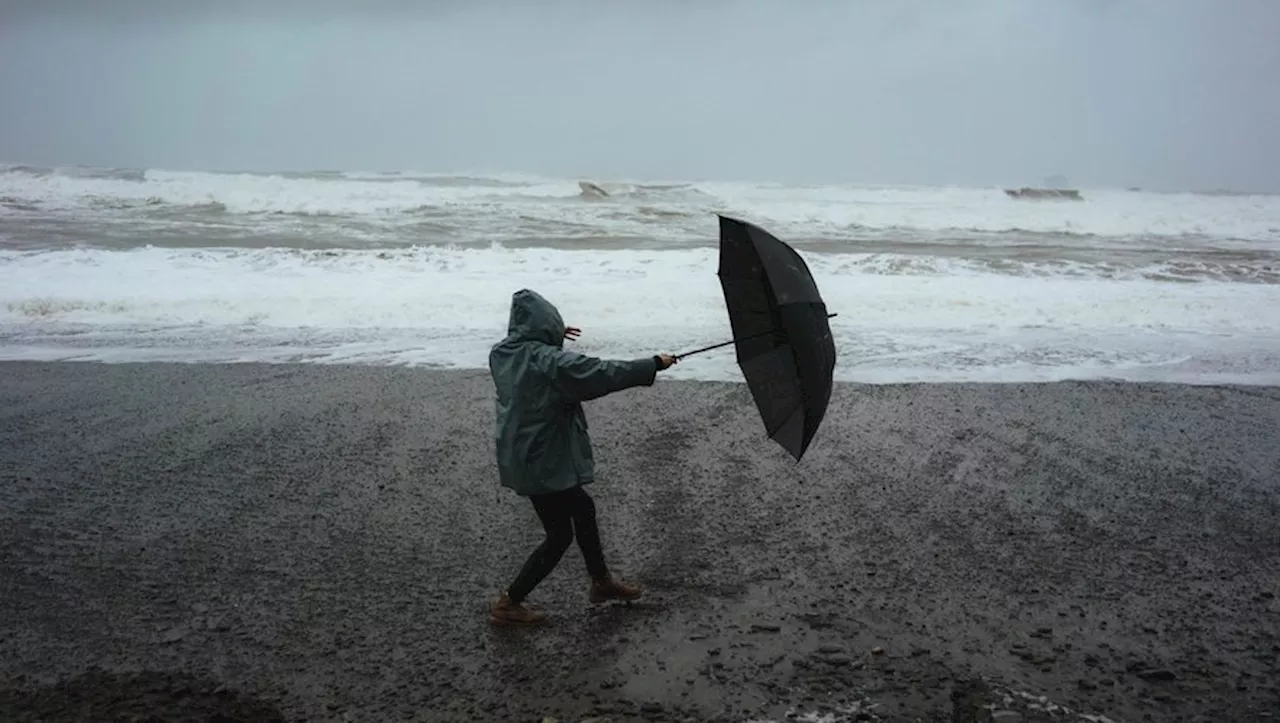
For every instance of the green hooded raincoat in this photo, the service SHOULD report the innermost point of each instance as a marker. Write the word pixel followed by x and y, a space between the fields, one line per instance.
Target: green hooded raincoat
pixel 542 440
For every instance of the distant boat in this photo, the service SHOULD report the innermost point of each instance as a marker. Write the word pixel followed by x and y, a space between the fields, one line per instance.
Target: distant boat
pixel 592 190
pixel 1055 186
pixel 1044 193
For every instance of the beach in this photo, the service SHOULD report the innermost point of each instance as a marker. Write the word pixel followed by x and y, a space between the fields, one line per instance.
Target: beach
pixel 321 542
pixel 255 262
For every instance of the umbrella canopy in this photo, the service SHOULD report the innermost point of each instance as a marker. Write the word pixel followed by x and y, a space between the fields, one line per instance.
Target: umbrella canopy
pixel 781 334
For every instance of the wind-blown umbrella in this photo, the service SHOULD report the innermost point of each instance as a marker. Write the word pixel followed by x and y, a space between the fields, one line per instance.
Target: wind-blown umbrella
pixel 781 333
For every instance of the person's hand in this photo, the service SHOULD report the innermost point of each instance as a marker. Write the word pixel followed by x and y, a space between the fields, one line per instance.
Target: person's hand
pixel 665 361
pixel 572 332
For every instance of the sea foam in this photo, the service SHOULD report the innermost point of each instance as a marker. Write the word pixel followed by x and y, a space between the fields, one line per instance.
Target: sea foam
pixel 444 306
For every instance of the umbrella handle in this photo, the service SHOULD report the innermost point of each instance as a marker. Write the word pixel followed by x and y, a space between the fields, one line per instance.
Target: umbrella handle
pixel 731 341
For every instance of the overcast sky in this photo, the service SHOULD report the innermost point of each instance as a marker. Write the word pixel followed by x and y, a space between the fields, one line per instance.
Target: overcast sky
pixel 1152 93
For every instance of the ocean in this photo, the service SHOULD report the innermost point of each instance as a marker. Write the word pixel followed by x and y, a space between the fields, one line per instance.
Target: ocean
pixel 931 284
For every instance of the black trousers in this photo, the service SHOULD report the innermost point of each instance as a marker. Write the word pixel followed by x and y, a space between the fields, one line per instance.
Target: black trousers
pixel 563 514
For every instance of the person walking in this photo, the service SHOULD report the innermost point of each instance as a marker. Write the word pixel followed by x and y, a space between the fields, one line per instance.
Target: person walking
pixel 543 447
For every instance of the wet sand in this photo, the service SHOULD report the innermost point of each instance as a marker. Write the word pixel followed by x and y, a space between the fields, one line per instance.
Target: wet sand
pixel 320 543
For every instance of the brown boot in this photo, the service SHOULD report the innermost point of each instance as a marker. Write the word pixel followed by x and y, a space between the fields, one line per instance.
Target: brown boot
pixel 505 612
pixel 604 589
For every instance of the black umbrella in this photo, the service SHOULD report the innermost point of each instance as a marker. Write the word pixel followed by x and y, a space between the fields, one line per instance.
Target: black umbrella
pixel 781 334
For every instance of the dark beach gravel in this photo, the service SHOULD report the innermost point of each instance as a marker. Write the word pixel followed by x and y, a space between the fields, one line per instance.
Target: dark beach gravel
pixel 256 542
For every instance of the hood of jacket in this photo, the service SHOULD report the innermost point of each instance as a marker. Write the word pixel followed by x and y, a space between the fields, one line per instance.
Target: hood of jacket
pixel 533 318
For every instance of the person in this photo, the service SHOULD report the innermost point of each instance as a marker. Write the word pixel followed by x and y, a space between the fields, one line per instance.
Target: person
pixel 543 447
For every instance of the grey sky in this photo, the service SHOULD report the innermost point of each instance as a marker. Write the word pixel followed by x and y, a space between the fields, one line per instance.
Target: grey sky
pixel 1156 93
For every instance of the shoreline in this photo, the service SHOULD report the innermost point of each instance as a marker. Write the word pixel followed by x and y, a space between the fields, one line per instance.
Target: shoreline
pixel 324 539
pixel 286 356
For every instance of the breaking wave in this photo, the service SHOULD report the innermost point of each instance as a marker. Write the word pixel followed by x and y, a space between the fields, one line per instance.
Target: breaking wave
pixel 901 318
pixel 492 207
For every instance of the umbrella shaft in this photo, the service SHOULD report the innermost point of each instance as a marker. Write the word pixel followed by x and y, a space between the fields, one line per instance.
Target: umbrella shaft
pixel 731 341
